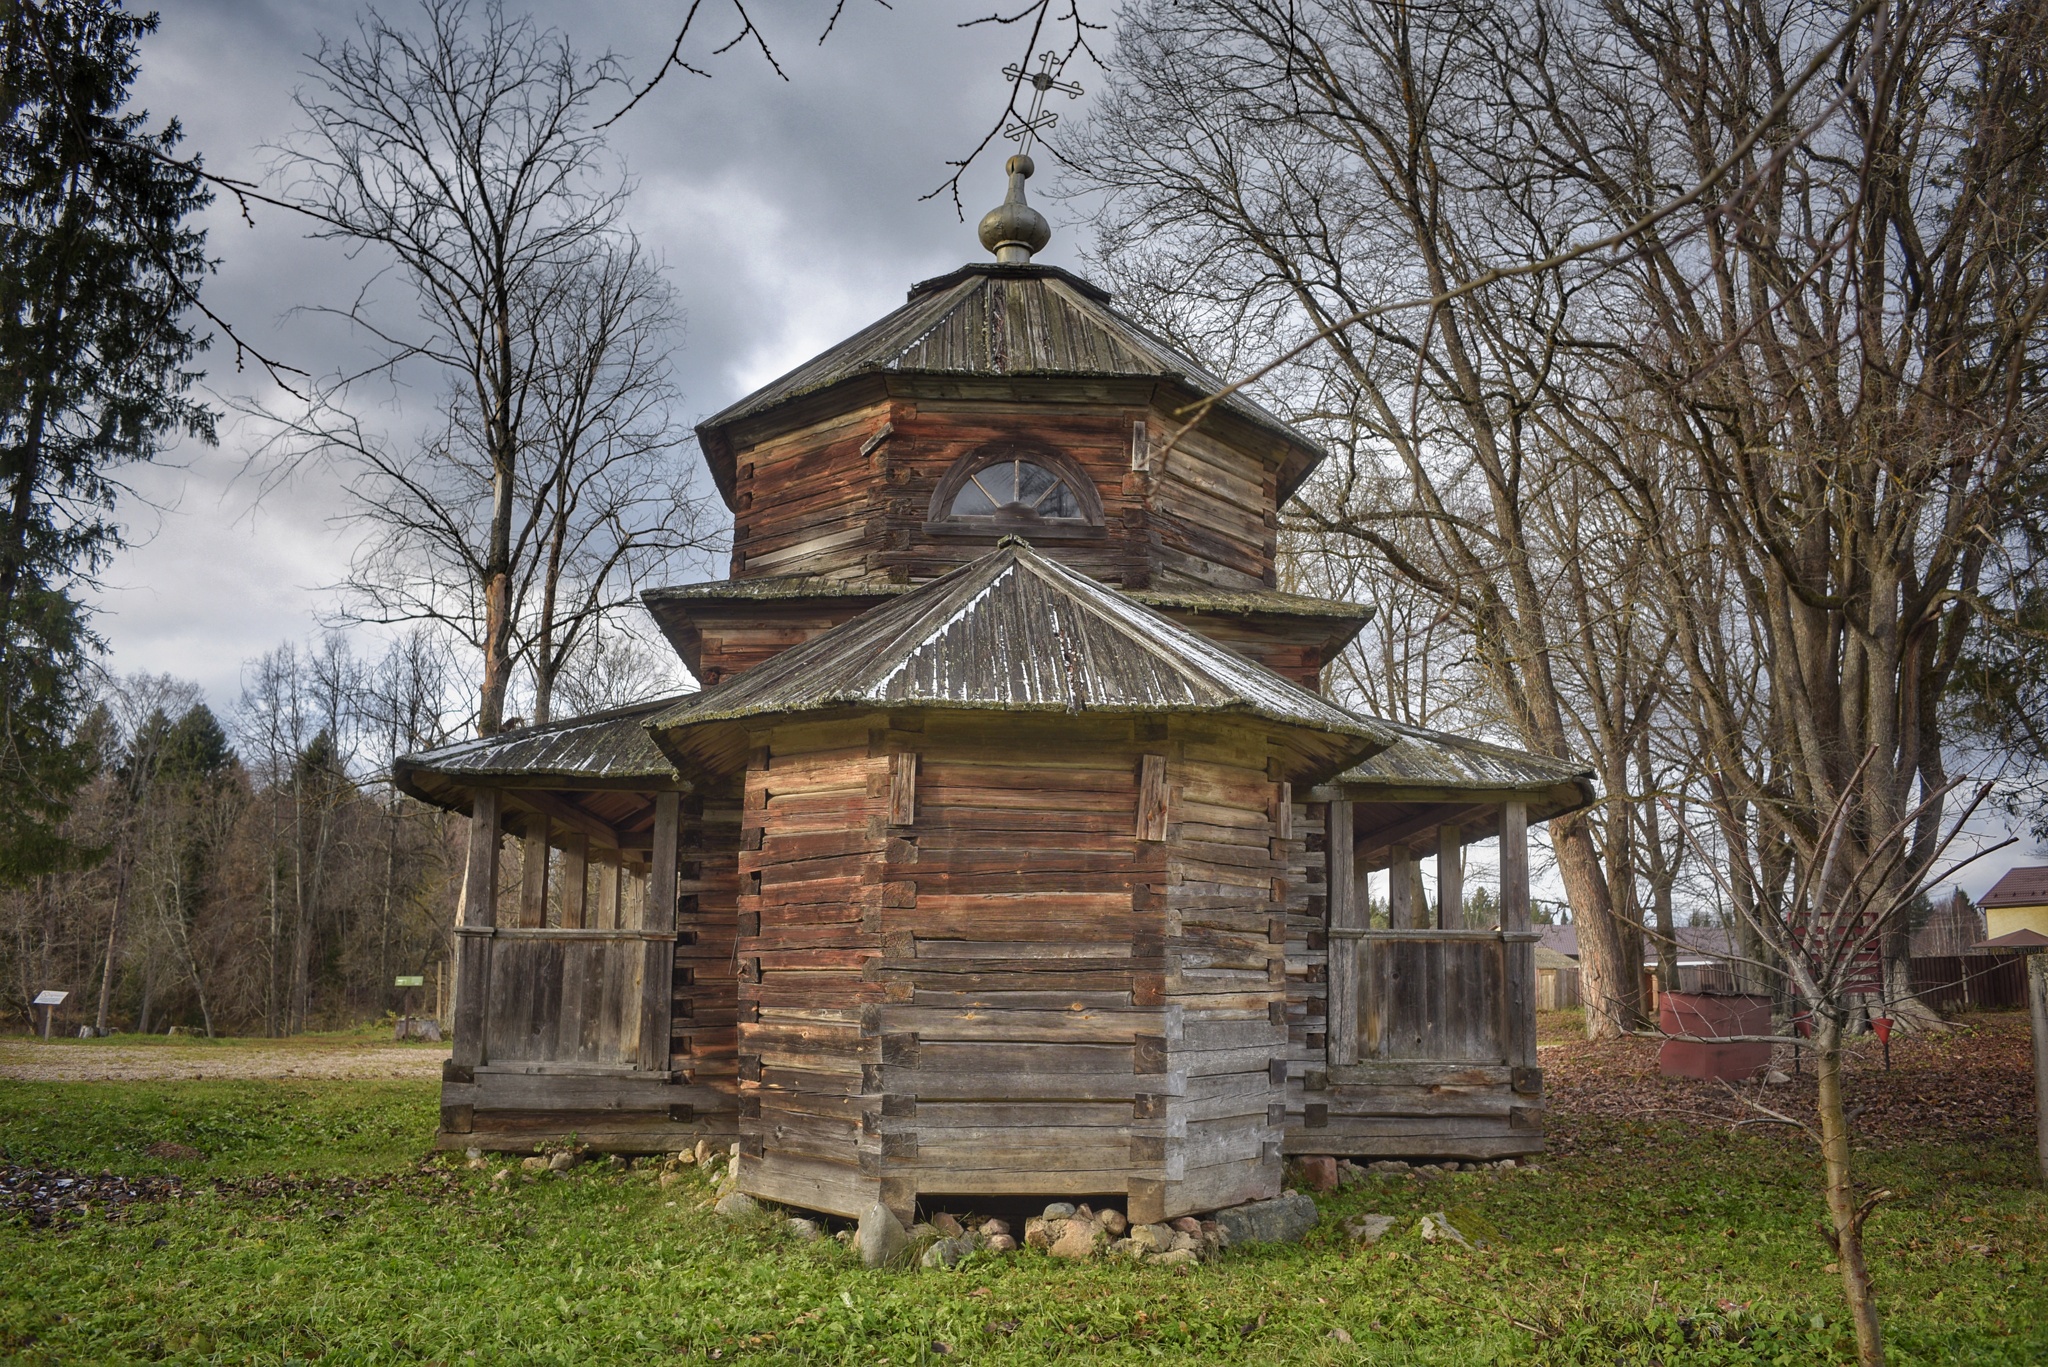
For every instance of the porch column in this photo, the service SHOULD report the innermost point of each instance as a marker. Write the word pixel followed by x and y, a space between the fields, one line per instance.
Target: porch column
pixel 1514 866
pixel 533 873
pixel 1450 877
pixel 1401 911
pixel 1514 923
pixel 1347 913
pixel 658 922
pixel 576 882
pixel 479 914
pixel 609 884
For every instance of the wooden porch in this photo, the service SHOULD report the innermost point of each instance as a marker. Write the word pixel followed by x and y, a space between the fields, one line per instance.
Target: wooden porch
pixel 596 998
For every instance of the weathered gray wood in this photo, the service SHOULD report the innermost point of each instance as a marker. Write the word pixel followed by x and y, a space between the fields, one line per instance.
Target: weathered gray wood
pixel 1514 866
pixel 533 873
pixel 1518 995
pixel 1450 876
pixel 605 912
pixel 1152 798
pixel 1347 910
pixel 576 881
pixel 632 894
pixel 1401 910
pixel 479 909
pixel 903 788
pixel 1432 1000
pixel 1377 1074
pixel 657 976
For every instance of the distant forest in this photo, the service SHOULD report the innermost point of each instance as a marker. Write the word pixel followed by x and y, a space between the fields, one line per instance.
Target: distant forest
pixel 255 873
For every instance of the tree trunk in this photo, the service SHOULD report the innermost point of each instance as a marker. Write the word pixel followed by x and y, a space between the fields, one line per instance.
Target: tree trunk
pixel 1610 985
pixel 113 946
pixel 1845 1219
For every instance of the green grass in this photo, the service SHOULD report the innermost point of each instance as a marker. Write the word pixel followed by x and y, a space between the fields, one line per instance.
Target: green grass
pixel 1654 1245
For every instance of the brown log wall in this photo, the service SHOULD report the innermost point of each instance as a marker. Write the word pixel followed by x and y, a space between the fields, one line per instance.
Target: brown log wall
pixel 850 496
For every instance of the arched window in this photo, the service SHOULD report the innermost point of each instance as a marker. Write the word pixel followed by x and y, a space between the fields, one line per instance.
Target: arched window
pixel 1012 487
pixel 1016 487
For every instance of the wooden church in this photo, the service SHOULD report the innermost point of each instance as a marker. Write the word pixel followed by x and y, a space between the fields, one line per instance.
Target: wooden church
pixel 1009 848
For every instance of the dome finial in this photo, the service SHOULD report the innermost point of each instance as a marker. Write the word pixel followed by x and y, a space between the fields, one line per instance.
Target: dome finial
pixel 1014 230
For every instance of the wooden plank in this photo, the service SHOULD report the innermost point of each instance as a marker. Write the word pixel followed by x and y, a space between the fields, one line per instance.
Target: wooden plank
pixel 1401 891
pixel 1347 911
pixel 1152 798
pixel 1514 866
pixel 1450 876
pixel 533 873
pixel 576 881
pixel 479 909
pixel 1518 1004
pixel 605 911
pixel 659 914
pixel 903 788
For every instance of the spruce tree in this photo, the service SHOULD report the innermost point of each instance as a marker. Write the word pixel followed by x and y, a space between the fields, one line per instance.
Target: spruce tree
pixel 98 266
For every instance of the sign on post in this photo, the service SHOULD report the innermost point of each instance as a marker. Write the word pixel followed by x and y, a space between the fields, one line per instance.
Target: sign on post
pixel 49 999
pixel 411 980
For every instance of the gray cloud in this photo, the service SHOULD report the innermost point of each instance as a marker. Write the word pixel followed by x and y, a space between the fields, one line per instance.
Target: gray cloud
pixel 787 213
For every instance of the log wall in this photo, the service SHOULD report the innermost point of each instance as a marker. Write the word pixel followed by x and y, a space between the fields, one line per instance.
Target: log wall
pixel 813 843
pixel 850 495
pixel 1010 955
pixel 1225 983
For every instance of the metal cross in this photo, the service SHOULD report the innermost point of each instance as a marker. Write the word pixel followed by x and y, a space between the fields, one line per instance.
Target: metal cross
pixel 1046 78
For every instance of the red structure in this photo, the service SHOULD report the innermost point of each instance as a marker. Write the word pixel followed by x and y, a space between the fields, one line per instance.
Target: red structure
pixel 1710 1018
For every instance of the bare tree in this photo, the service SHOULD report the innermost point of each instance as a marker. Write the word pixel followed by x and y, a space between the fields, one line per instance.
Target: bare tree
pixel 1826 930
pixel 299 722
pixel 1842 351
pixel 463 154
pixel 1274 174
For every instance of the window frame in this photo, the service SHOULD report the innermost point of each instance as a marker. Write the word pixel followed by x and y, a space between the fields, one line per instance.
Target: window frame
pixel 941 521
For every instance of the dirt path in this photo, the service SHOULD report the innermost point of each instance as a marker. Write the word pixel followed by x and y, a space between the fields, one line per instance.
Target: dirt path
pixel 119 1060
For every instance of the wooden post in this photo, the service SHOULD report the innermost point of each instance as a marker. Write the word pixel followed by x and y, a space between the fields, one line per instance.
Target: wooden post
pixel 1519 955
pixel 576 882
pixel 1450 877
pixel 533 873
pixel 1347 912
pixel 1152 798
pixel 632 895
pixel 609 884
pixel 479 911
pixel 658 920
pixel 1514 866
pixel 1401 910
pixel 903 788
pixel 2037 1004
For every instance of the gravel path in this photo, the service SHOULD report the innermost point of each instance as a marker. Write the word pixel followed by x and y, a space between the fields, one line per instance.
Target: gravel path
pixel 112 1060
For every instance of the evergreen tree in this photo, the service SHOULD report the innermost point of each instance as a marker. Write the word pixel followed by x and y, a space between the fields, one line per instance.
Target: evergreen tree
pixel 97 267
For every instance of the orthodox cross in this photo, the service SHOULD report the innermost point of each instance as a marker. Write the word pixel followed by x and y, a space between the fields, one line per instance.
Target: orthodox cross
pixel 1024 132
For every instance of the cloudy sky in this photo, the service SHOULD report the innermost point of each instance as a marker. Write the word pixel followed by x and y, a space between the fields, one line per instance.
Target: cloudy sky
pixel 788 214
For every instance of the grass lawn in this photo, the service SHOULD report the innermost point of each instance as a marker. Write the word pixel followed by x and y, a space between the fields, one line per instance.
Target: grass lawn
pixel 314 1226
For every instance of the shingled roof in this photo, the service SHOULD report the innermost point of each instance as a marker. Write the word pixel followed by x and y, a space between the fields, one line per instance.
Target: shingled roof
pixel 1420 759
pixel 1009 321
pixel 609 749
pixel 1011 632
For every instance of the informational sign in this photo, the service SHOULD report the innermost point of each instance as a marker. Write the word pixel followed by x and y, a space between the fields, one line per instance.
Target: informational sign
pixel 411 980
pixel 51 998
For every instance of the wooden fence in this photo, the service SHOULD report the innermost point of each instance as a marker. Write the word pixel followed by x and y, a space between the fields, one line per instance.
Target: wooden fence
pixel 1970 981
